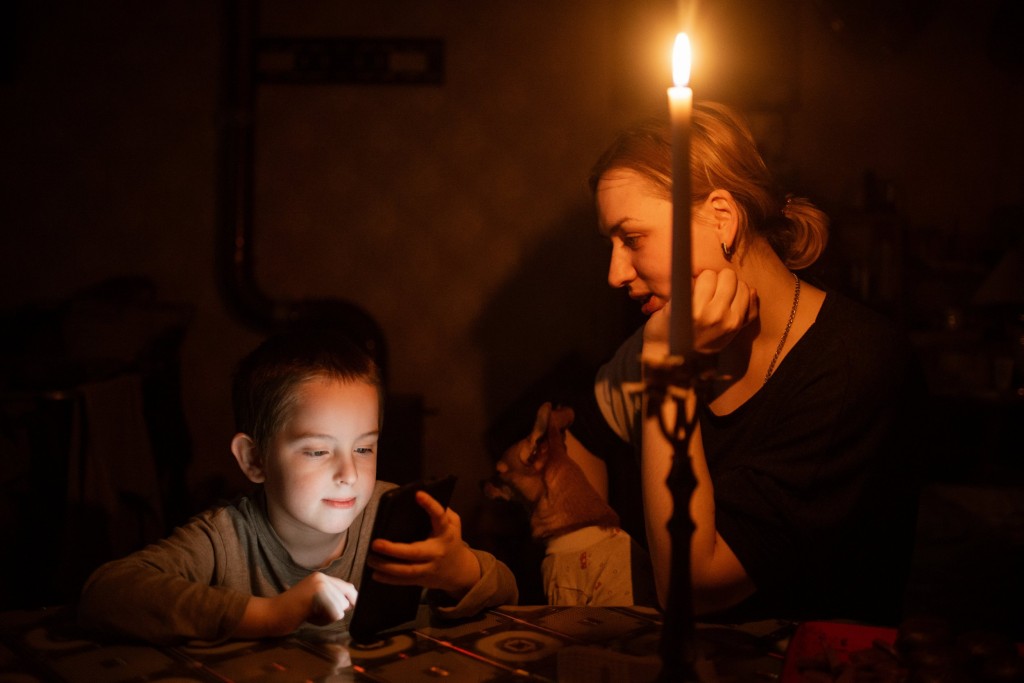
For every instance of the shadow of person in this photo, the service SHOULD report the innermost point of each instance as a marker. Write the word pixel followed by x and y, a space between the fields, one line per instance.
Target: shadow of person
pixel 543 335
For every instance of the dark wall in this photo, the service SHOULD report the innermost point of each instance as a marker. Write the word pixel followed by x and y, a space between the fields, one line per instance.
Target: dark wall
pixel 455 213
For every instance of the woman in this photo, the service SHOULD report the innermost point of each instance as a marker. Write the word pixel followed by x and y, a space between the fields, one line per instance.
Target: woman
pixel 804 505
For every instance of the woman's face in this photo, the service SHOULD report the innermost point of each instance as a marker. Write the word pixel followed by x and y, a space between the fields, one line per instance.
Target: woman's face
pixel 636 216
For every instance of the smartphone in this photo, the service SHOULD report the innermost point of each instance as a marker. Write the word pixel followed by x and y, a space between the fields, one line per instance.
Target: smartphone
pixel 400 518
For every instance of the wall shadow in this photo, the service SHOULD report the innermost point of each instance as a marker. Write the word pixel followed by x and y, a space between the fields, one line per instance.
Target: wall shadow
pixel 543 335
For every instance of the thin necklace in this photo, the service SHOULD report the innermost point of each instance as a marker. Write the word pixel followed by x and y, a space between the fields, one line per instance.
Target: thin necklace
pixel 785 332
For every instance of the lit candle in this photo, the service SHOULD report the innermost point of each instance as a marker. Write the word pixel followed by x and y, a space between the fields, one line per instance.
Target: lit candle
pixel 680 102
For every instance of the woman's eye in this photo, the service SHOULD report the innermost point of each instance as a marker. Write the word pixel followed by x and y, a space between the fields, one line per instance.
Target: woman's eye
pixel 364 450
pixel 631 241
pixel 317 454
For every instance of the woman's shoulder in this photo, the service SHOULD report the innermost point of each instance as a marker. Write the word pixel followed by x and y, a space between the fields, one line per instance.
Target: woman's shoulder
pixel 624 365
pixel 841 308
pixel 863 340
pixel 618 388
pixel 855 325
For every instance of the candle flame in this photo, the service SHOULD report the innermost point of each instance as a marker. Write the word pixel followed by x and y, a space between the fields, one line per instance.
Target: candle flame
pixel 681 60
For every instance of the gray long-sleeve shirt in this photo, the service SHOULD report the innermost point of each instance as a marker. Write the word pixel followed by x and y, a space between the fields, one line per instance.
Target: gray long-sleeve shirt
pixel 194 584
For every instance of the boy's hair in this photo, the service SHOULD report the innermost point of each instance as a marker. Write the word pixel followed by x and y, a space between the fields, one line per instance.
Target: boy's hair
pixel 265 381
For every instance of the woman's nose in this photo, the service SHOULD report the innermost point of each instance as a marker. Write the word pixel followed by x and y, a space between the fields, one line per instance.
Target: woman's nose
pixel 620 269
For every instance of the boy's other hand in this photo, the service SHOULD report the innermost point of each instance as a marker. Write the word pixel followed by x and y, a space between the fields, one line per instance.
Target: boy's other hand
pixel 443 561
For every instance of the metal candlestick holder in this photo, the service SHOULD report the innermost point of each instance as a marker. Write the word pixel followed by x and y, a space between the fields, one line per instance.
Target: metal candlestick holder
pixel 675 379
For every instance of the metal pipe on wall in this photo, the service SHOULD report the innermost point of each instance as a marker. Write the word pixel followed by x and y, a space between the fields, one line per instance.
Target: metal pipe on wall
pixel 243 294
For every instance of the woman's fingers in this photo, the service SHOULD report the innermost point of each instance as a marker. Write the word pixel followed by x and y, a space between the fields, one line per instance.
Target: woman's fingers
pixel 722 305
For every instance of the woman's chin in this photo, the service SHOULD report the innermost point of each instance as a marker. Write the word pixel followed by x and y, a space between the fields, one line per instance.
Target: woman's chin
pixel 652 305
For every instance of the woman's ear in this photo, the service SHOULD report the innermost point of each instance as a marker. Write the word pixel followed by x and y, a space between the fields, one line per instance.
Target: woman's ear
pixel 725 214
pixel 244 449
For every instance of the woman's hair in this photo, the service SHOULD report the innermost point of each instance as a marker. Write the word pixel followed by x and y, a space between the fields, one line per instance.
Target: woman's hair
pixel 265 384
pixel 723 155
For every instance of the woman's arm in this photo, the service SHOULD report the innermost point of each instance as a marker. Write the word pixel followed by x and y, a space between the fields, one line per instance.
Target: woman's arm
pixel 717 577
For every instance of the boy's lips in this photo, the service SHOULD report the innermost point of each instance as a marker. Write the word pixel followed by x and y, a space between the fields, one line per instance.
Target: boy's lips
pixel 340 503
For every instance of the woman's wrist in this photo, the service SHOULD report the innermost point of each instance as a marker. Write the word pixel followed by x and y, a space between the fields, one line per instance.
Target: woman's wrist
pixel 654 351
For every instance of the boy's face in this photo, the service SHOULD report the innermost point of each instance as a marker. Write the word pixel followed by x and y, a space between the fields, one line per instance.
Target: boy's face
pixel 321 466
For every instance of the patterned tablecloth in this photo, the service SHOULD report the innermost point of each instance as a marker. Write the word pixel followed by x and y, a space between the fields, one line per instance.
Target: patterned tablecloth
pixel 539 643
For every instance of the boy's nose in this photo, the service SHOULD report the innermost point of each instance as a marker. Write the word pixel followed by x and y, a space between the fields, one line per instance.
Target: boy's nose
pixel 345 470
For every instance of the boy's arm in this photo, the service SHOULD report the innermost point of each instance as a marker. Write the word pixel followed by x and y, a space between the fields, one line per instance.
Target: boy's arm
pixel 496 586
pixel 319 599
pixel 163 593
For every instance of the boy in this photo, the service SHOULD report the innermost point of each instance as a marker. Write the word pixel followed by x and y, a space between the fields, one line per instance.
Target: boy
pixel 308 412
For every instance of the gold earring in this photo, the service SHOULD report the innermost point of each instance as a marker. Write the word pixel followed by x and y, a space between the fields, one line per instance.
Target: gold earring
pixel 726 252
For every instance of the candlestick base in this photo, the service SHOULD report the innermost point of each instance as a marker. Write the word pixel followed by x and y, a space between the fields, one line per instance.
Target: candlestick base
pixel 686 381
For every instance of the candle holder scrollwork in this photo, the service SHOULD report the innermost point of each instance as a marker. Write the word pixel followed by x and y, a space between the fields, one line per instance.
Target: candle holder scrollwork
pixel 686 382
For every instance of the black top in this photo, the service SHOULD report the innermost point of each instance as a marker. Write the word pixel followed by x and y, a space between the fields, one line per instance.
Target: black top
pixel 814 482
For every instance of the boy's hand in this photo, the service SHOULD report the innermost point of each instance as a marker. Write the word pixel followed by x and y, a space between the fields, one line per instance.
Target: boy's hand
pixel 328 597
pixel 318 599
pixel 443 561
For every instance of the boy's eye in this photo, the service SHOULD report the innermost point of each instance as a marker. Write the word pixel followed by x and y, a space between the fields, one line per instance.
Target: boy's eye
pixel 317 454
pixel 364 450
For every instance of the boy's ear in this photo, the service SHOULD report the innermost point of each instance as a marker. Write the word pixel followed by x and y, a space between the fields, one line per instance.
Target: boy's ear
pixel 725 213
pixel 244 449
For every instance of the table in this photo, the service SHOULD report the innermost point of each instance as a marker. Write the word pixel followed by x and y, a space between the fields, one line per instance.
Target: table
pixel 521 643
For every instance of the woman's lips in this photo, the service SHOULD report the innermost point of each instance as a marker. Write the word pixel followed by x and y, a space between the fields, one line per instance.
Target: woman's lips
pixel 342 504
pixel 652 304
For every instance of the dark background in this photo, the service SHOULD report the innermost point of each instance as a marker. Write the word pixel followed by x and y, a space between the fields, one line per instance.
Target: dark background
pixel 180 177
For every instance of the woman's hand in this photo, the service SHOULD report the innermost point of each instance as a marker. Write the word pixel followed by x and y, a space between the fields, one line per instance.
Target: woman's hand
pixel 656 333
pixel 318 599
pixel 722 306
pixel 443 561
